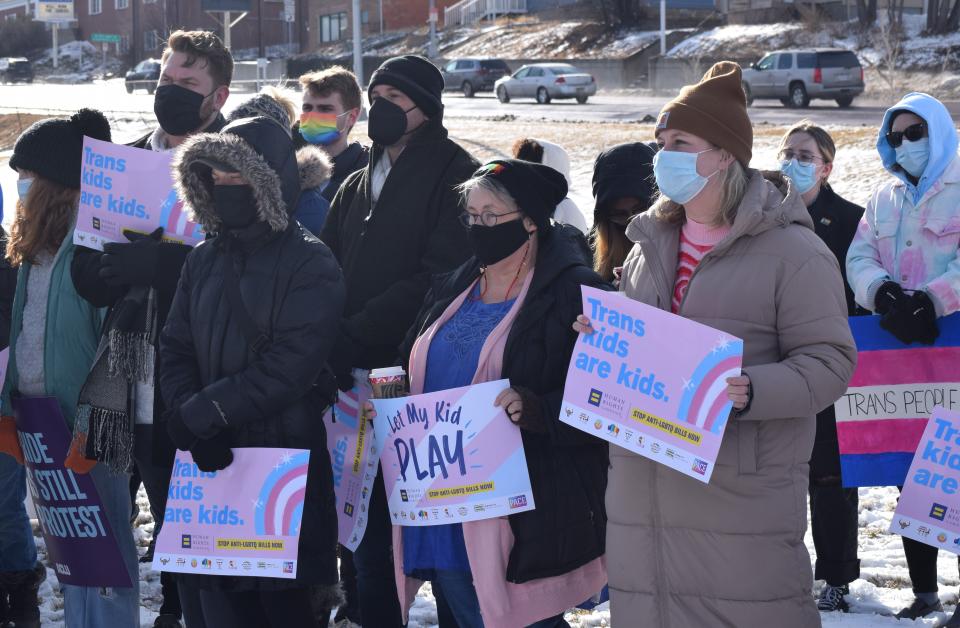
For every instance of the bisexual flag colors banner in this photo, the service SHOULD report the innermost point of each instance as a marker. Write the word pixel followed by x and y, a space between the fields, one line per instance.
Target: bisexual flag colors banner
pixel 126 188
pixel 893 391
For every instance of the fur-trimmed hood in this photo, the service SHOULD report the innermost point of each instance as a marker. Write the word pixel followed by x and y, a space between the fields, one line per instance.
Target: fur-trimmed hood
pixel 315 167
pixel 260 150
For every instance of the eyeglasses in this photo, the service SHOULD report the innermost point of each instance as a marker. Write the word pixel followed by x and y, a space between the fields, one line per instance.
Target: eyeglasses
pixel 487 219
pixel 911 133
pixel 802 158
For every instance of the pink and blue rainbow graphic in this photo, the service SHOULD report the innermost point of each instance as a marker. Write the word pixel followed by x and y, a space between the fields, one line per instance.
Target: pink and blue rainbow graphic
pixel 175 221
pixel 879 451
pixel 280 502
pixel 705 402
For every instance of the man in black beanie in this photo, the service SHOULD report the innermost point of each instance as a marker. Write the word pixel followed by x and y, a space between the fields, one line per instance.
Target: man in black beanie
pixel 391 226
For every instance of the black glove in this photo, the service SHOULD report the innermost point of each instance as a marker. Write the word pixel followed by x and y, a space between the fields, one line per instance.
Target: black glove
pixel 213 454
pixel 179 433
pixel 912 319
pixel 133 264
pixel 530 418
pixel 888 296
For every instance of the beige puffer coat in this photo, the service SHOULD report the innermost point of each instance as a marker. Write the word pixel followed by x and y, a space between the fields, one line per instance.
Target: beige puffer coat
pixel 683 554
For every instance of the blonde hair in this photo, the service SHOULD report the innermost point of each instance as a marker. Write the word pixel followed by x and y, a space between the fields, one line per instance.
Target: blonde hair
pixel 42 222
pixel 733 186
pixel 823 140
pixel 285 98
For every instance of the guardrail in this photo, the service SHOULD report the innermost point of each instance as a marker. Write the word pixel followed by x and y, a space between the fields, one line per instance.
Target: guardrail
pixel 468 12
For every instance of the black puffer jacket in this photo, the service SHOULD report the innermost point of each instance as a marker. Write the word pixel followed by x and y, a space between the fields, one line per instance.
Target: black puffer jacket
pixel 835 220
pixel 389 251
pixel 568 468
pixel 292 289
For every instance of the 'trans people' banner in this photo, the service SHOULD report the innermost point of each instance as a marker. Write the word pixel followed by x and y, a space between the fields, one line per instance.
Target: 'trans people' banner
pixel 241 521
pixel 893 390
pixel 929 507
pixel 451 456
pixel 81 547
pixel 651 382
pixel 353 456
pixel 122 187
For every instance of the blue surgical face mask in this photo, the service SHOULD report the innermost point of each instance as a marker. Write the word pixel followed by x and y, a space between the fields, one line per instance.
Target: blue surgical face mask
pixel 804 176
pixel 23 186
pixel 677 176
pixel 914 156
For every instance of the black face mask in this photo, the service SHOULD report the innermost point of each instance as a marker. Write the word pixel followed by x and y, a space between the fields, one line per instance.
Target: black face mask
pixel 178 109
pixel 387 122
pixel 492 244
pixel 235 205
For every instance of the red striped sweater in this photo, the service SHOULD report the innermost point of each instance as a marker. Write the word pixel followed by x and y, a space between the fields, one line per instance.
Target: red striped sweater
pixel 696 240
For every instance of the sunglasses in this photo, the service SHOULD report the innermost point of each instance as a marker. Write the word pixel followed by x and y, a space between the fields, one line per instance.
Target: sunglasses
pixel 911 133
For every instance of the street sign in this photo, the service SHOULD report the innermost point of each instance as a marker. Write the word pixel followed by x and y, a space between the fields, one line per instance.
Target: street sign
pixel 104 38
pixel 432 16
pixel 289 10
pixel 54 11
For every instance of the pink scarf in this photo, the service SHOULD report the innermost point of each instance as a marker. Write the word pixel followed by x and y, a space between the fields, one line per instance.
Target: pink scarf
pixel 488 542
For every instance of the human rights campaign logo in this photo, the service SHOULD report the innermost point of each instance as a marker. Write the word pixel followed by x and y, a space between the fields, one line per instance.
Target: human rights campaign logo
pixel 186 541
pixel 938 511
pixel 595 398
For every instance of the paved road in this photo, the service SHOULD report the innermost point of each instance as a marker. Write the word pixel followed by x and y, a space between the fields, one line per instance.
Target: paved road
pixel 111 96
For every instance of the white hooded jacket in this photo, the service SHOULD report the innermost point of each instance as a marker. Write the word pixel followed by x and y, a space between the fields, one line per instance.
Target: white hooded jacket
pixel 567 212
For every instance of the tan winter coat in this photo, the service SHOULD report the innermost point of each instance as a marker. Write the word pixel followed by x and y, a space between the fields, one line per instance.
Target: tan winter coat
pixel 682 554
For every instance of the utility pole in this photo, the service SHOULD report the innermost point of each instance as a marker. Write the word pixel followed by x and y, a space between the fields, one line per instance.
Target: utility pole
pixel 260 28
pixel 56 45
pixel 432 16
pixel 357 43
pixel 663 27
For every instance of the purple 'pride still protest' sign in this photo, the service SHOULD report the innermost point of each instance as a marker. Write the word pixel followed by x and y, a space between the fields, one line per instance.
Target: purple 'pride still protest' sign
pixel 80 545
pixel 651 382
pixel 241 521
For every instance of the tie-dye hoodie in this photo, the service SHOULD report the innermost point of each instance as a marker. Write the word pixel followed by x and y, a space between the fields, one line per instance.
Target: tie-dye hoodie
pixel 910 233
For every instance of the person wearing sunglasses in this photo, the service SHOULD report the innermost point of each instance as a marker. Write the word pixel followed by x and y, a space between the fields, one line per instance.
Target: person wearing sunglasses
pixel 904 262
pixel 806 156
pixel 623 187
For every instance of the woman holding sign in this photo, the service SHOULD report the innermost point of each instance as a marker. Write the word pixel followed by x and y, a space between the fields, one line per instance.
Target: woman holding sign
pixel 904 263
pixel 53 340
pixel 734 249
pixel 505 314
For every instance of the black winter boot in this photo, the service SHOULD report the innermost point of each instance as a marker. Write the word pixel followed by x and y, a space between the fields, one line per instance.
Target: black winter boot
pixel 22 587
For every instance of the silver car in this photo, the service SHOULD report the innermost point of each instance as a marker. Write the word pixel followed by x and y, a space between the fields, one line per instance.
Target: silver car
pixel 545 82
pixel 795 77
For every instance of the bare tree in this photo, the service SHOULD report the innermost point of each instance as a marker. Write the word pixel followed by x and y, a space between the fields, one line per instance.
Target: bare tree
pixel 866 13
pixel 943 16
pixel 887 39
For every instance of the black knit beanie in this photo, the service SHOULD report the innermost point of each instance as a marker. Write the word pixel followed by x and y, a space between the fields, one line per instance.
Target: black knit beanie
pixel 53 148
pixel 537 189
pixel 416 77
pixel 623 171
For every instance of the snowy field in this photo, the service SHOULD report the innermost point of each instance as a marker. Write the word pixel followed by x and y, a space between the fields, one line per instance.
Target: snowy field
pixel 884 586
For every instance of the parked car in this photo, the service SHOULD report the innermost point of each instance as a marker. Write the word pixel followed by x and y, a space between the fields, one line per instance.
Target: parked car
pixel 546 81
pixel 144 76
pixel 16 70
pixel 795 77
pixel 473 75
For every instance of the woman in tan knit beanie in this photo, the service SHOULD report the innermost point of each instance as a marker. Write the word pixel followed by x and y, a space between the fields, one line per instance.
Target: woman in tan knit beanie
pixel 732 248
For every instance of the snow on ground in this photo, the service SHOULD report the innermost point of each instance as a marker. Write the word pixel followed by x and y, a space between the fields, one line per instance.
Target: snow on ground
pixel 883 587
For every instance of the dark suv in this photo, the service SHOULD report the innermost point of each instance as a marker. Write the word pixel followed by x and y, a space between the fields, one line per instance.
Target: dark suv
pixel 144 76
pixel 473 75
pixel 16 70
pixel 795 77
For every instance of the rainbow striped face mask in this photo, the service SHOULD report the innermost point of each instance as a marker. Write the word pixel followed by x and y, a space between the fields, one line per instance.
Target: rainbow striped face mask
pixel 320 128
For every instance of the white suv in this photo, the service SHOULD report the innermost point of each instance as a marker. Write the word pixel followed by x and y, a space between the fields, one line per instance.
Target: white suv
pixel 795 77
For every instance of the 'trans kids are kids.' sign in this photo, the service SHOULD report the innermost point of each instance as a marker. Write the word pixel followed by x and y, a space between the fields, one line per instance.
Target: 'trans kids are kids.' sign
pixel 651 382
pixel 241 521
pixel 451 456
pixel 81 547
pixel 929 506
pixel 126 188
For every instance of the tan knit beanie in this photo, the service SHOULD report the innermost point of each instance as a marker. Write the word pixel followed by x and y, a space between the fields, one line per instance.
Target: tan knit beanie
pixel 714 109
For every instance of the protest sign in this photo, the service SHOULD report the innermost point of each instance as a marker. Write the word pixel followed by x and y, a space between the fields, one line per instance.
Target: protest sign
pixel 651 382
pixel 451 456
pixel 892 392
pixel 929 506
pixel 241 521
pixel 122 187
pixel 80 544
pixel 353 456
